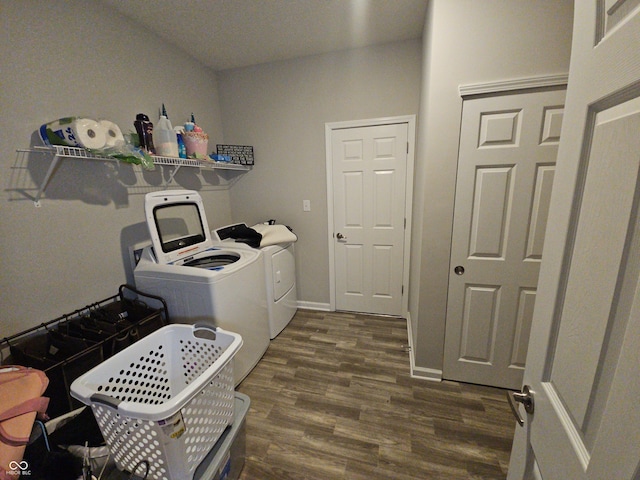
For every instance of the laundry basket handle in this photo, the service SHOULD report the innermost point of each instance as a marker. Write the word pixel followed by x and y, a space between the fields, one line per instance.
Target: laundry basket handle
pixel 105 400
pixel 204 326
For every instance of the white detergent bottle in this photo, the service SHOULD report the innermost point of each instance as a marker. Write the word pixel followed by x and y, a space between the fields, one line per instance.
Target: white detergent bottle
pixel 164 137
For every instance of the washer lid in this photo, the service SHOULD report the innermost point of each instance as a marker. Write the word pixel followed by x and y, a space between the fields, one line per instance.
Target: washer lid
pixel 177 224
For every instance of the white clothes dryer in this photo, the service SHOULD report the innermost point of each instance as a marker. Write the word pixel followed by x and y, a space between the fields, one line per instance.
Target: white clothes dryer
pixel 277 245
pixel 203 283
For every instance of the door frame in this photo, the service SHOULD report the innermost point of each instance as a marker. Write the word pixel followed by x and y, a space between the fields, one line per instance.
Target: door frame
pixel 410 120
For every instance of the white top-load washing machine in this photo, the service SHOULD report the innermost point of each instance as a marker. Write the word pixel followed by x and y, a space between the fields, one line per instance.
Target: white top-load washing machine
pixel 219 285
pixel 277 245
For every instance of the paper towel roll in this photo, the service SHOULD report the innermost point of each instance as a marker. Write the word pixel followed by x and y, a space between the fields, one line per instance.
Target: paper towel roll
pixel 74 132
pixel 113 134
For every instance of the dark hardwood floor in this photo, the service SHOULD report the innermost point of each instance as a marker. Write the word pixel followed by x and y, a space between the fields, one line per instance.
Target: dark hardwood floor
pixel 332 398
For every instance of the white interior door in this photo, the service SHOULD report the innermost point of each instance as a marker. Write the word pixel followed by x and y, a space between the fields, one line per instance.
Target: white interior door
pixel 369 176
pixel 584 354
pixel 506 165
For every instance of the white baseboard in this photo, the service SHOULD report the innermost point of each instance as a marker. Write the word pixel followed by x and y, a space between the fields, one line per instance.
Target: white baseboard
pixel 430 374
pixel 423 373
pixel 324 307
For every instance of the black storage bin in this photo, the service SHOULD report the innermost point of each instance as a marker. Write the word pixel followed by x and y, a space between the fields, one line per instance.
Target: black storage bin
pixel 70 345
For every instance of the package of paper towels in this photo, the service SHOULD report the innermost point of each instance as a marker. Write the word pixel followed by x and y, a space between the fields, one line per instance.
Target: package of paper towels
pixel 79 132
pixel 113 134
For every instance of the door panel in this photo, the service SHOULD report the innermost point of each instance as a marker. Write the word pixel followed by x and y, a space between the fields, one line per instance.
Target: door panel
pixel 539 211
pixel 383 183
pixel 354 269
pixel 580 338
pixel 490 212
pixel 383 265
pixel 583 364
pixel 479 323
pixel 508 146
pixel 526 302
pixel 499 129
pixel 353 199
pixel 369 166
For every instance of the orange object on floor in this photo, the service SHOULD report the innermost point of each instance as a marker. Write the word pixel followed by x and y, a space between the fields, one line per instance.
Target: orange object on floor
pixel 21 400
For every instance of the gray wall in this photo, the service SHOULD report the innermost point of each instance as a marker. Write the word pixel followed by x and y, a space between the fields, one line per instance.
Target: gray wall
pixel 281 109
pixel 466 42
pixel 62 58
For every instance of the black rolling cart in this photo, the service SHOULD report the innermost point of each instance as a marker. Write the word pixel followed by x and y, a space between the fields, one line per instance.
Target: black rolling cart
pixel 70 345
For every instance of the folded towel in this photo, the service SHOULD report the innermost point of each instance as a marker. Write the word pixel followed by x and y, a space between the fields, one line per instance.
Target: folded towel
pixel 274 234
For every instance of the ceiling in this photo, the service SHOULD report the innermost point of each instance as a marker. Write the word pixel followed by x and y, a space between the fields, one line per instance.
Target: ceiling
pixel 225 34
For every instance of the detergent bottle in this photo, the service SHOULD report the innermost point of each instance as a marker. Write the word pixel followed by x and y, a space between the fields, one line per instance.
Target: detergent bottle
pixel 165 139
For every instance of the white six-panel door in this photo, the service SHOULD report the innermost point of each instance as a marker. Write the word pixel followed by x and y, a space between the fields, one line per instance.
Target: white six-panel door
pixel 583 365
pixel 369 176
pixel 508 148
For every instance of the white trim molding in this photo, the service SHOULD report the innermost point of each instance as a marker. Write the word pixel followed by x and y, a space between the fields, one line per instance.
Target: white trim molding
pixel 422 373
pixel 429 374
pixel 321 307
pixel 512 85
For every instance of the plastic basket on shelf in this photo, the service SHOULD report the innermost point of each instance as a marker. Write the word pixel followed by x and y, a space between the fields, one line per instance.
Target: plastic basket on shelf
pixel 164 400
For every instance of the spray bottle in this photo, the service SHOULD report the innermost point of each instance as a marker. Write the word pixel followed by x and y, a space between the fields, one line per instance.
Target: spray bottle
pixel 182 150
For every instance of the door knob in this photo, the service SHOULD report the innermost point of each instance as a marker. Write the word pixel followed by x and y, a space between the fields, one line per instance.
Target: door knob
pixel 459 270
pixel 339 236
pixel 526 398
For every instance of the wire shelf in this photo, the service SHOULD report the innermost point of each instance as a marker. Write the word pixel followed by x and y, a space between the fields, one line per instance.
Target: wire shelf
pixel 76 152
pixel 60 151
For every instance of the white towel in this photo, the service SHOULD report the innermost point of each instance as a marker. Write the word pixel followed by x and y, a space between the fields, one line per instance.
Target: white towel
pixel 274 234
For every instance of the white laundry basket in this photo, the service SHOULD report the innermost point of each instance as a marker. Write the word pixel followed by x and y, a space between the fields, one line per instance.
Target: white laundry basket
pixel 163 402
